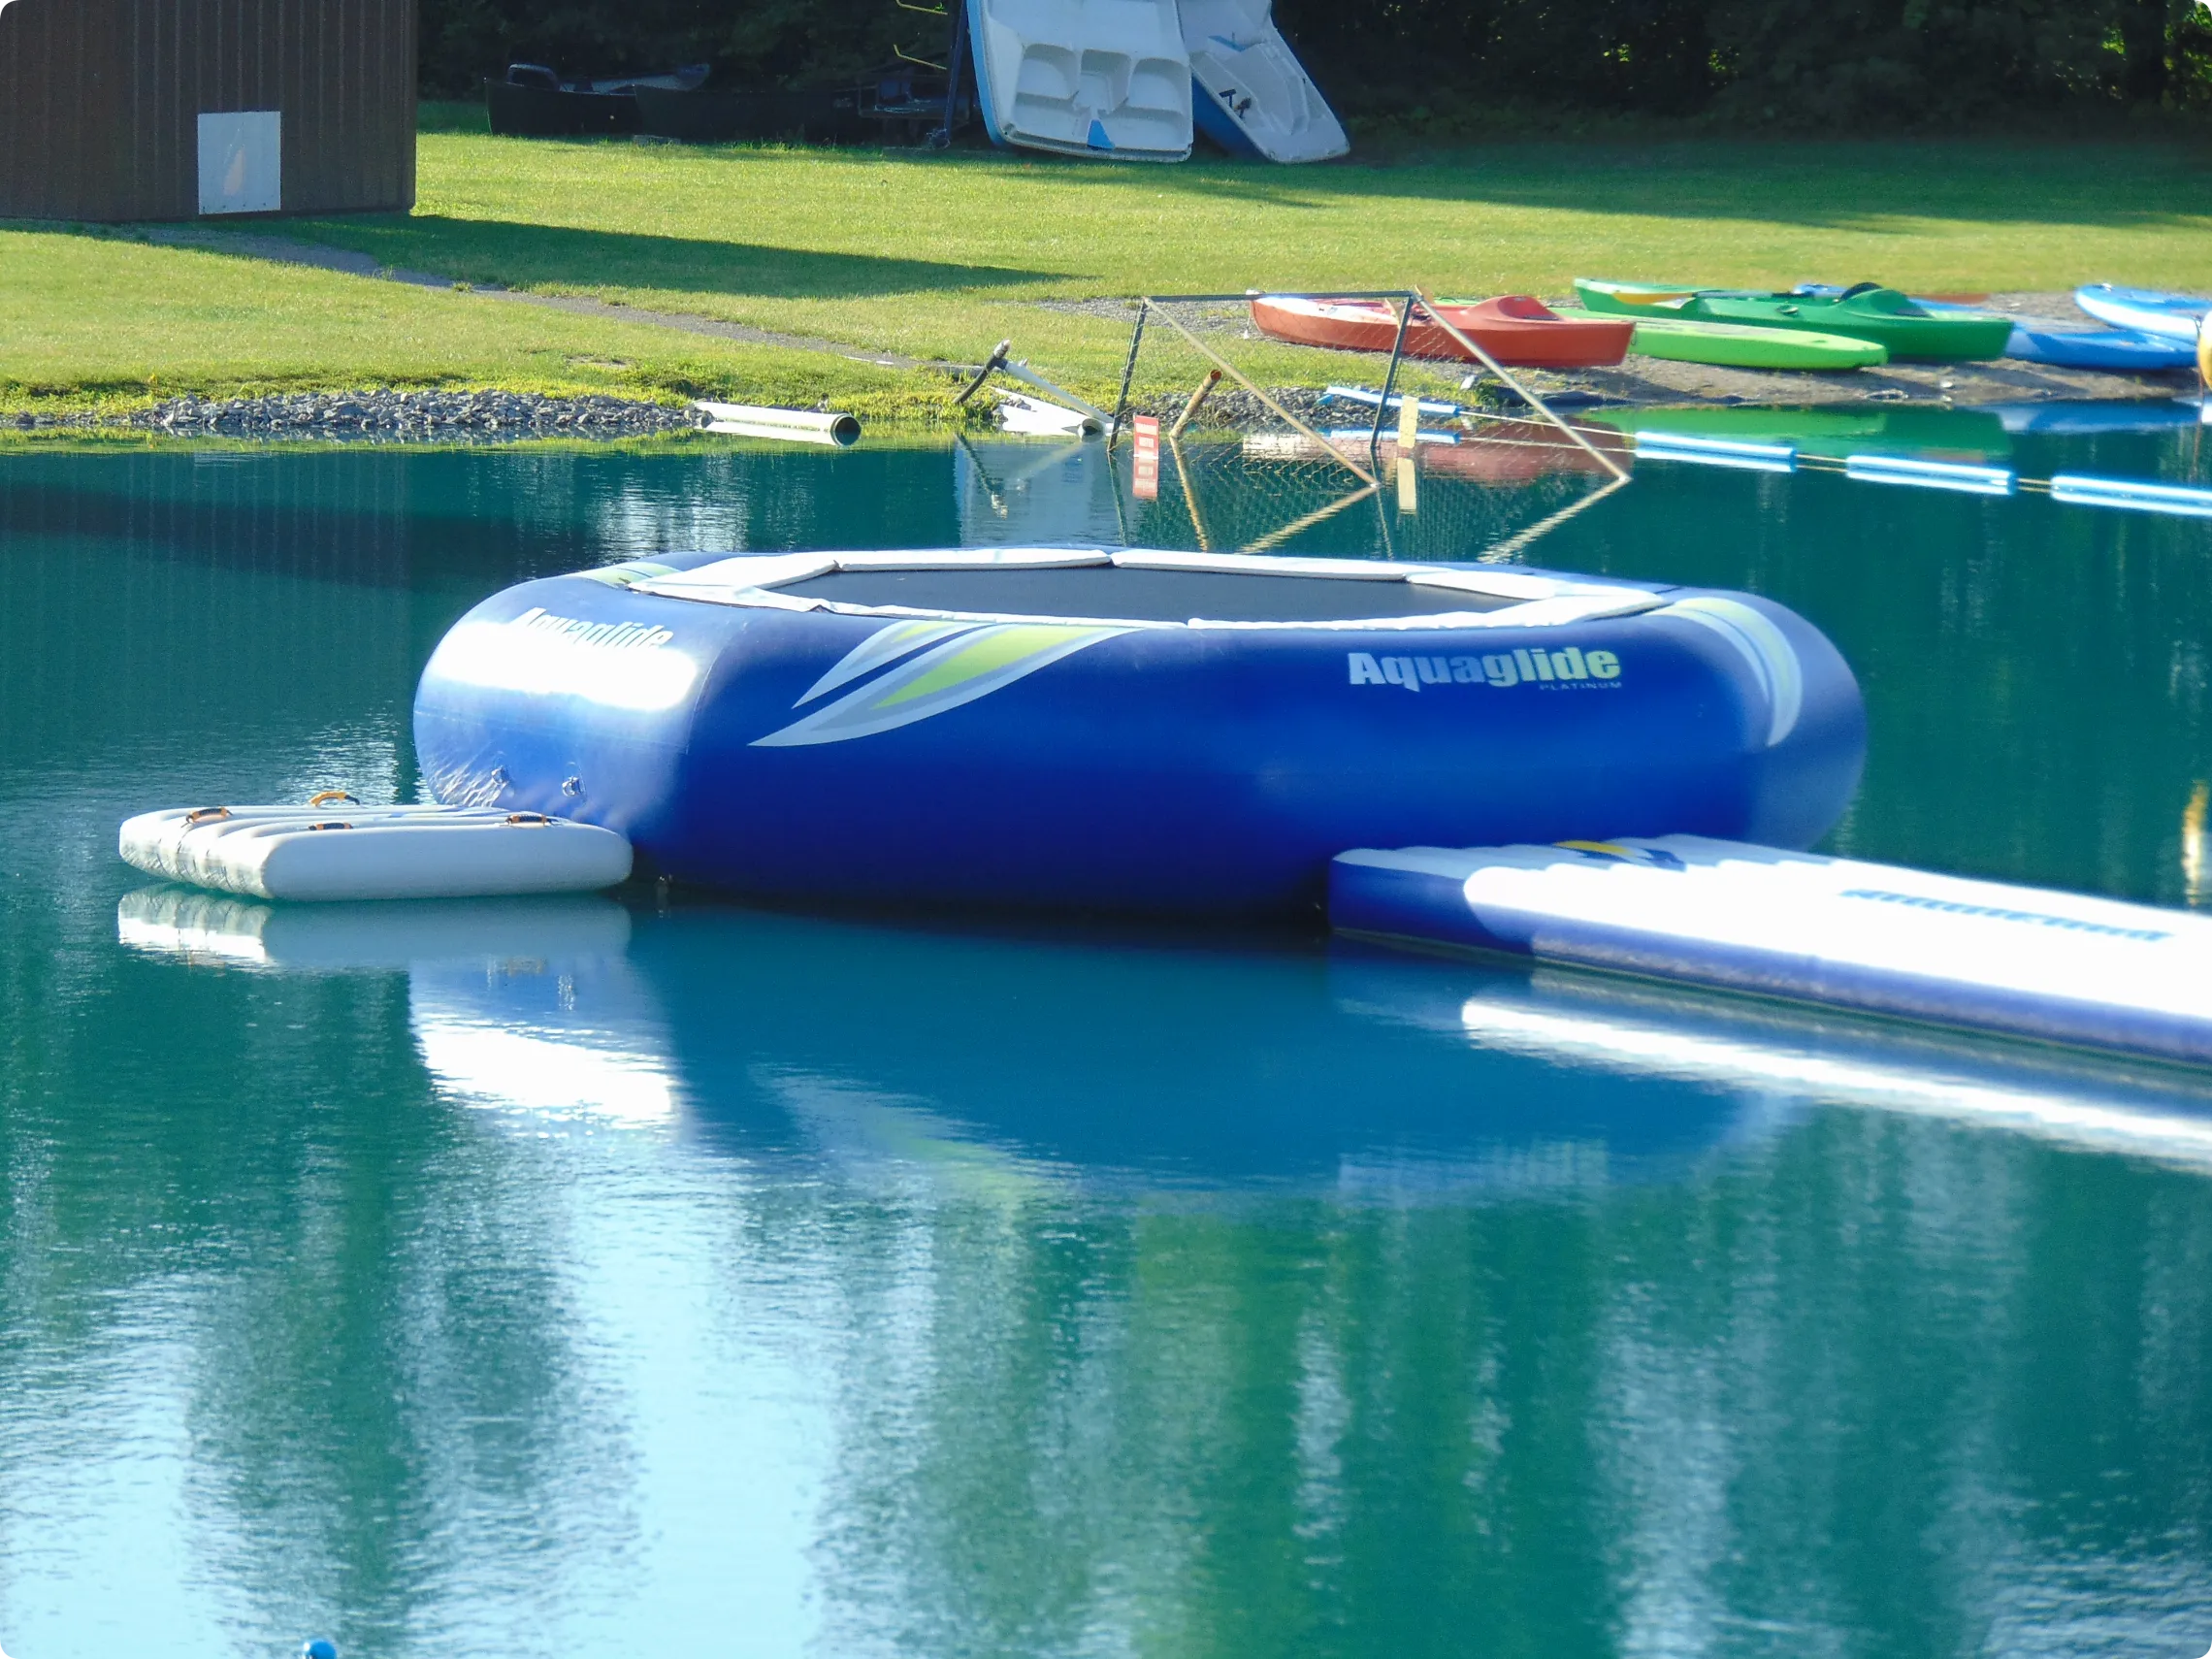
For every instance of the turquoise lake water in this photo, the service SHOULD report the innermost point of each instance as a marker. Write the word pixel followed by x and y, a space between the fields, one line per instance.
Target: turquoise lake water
pixel 651 1275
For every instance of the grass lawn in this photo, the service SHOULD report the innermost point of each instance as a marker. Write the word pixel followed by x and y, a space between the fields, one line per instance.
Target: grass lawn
pixel 90 321
pixel 939 256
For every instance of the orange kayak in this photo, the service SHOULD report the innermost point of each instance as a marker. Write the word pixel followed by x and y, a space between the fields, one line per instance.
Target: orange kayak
pixel 1520 332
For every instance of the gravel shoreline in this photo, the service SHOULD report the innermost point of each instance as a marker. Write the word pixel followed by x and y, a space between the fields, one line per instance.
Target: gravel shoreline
pixel 393 417
pixel 507 417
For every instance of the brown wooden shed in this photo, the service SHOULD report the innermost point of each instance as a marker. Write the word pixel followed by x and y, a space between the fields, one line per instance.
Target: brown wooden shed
pixel 178 108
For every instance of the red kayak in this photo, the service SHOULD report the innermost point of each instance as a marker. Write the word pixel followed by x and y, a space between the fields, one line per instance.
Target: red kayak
pixel 1517 331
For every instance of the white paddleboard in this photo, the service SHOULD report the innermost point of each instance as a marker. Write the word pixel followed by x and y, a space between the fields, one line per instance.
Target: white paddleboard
pixel 337 849
pixel 2146 310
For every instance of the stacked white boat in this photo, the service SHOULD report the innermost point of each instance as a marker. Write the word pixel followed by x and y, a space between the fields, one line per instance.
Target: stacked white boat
pixel 1134 79
pixel 1249 93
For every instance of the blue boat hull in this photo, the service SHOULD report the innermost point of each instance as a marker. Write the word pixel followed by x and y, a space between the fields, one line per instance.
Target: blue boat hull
pixel 2134 347
pixel 1218 125
pixel 2119 350
pixel 1153 768
pixel 986 103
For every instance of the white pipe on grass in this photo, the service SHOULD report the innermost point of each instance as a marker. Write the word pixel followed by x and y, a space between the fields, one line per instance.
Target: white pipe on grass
pixel 795 426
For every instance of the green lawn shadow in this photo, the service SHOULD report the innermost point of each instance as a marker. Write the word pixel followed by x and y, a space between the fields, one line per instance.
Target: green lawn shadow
pixel 1824 184
pixel 514 254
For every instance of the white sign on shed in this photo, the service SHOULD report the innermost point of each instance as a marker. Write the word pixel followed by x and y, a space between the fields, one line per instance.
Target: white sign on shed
pixel 242 162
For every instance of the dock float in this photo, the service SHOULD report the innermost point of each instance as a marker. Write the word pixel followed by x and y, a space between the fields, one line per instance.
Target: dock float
pixel 1873 938
pixel 334 848
pixel 2068 489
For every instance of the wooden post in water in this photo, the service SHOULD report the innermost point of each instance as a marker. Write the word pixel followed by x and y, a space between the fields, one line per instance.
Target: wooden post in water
pixel 1389 379
pixel 1213 378
pixel 1320 443
pixel 1189 495
pixel 1408 446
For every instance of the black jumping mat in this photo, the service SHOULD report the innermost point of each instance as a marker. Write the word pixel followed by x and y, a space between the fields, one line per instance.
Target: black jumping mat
pixel 1141 596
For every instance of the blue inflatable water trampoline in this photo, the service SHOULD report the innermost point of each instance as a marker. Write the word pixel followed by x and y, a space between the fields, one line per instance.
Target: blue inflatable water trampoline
pixel 1130 730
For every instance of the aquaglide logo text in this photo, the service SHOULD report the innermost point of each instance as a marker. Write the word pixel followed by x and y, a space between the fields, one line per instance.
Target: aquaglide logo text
pixel 614 635
pixel 1502 668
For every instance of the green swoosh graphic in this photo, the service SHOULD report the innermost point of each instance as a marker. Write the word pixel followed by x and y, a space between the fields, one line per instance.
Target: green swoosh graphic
pixel 957 671
pixel 884 645
pixel 986 653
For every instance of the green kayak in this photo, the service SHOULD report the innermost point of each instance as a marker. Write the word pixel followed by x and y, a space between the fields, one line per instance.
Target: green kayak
pixel 1733 345
pixel 1866 313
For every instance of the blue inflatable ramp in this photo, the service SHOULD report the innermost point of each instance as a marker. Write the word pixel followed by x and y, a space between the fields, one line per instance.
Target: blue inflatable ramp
pixel 1876 939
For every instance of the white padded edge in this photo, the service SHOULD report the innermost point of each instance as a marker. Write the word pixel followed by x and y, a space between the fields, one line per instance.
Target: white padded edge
pixel 750 579
pixel 746 578
pixel 980 558
pixel 1262 564
pixel 923 613
pixel 1511 584
pixel 1537 613
pixel 746 571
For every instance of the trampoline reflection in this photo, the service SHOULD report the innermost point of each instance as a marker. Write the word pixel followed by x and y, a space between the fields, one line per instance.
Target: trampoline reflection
pixel 1010 1061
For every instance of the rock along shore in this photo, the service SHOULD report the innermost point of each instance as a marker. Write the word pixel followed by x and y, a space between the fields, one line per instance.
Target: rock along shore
pixel 399 417
pixel 415 417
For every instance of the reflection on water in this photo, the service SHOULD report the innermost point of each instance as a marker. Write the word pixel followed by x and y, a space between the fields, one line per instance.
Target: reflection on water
pixel 1117 1060
pixel 645 1274
pixel 1014 492
pixel 1085 1283
pixel 2092 1104
pixel 2193 843
pixel 1112 1058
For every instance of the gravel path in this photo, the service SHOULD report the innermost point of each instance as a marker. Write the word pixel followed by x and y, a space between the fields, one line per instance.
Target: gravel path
pixel 284 250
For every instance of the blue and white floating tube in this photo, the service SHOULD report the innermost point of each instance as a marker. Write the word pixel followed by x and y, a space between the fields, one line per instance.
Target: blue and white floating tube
pixel 1880 939
pixel 1716 452
pixel 2134 494
pixel 1912 471
pixel 1175 732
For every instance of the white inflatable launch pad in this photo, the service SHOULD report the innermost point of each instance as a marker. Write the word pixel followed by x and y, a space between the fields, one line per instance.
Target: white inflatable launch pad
pixel 2028 961
pixel 337 849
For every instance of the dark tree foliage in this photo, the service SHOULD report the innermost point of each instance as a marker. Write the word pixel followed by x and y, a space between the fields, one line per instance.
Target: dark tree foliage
pixel 1844 62
pixel 1652 55
pixel 1831 64
pixel 750 42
